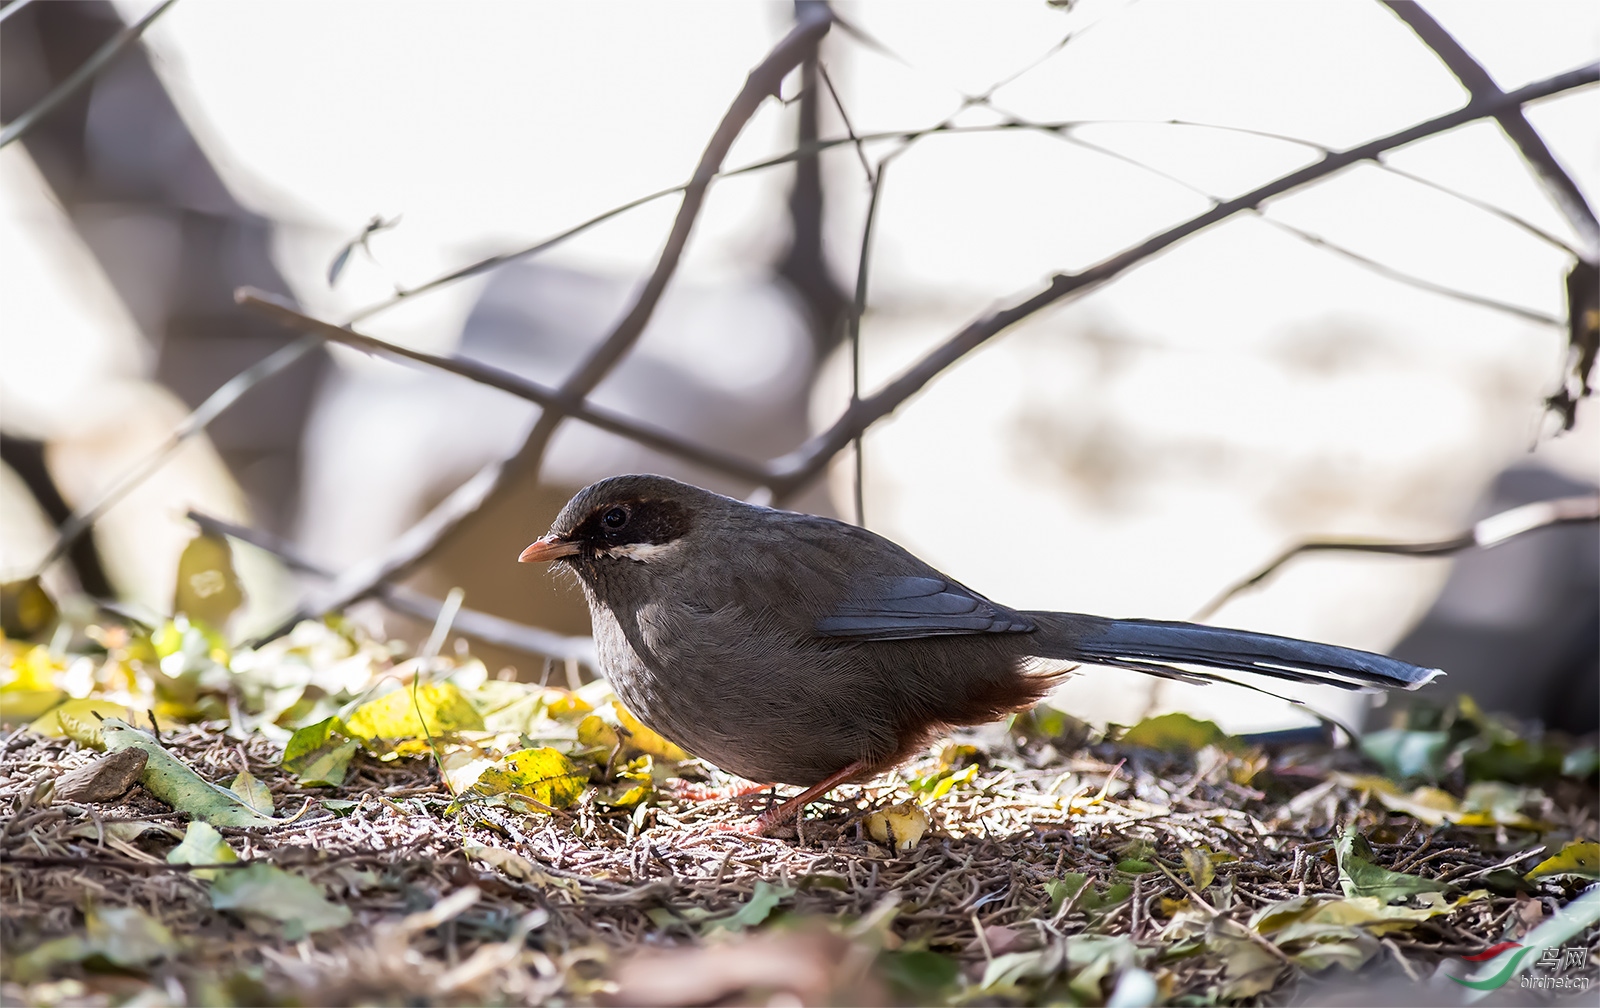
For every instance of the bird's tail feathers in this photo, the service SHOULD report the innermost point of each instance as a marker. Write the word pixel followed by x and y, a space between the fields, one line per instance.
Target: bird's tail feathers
pixel 1149 645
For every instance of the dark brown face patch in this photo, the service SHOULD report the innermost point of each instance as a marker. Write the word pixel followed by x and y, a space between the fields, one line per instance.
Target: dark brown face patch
pixel 625 523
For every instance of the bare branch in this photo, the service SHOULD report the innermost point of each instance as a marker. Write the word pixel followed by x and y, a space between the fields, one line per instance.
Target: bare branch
pixel 1555 179
pixel 1491 531
pixel 794 470
pixel 421 539
pixel 84 74
pixel 486 374
pixel 469 622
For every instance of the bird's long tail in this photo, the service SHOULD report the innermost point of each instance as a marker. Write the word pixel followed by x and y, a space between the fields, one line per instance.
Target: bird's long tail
pixel 1153 645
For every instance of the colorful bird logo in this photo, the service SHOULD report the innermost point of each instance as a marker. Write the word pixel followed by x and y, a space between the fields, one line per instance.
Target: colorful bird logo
pixel 1489 953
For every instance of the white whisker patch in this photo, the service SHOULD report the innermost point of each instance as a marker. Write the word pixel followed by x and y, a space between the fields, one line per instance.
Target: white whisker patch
pixel 641 552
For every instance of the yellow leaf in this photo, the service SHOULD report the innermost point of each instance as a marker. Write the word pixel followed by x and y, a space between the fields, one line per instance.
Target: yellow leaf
pixel 562 703
pixel 25 608
pixel 646 739
pixel 208 589
pixel 900 826
pixel 33 669
pixel 76 720
pixel 1174 732
pixel 28 705
pixel 1198 864
pixel 543 774
pixel 593 731
pixel 387 723
pixel 1579 859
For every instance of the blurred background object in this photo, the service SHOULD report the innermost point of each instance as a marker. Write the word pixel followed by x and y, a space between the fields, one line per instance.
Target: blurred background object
pixel 1294 371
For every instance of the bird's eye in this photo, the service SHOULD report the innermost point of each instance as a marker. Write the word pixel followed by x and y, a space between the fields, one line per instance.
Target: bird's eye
pixel 615 518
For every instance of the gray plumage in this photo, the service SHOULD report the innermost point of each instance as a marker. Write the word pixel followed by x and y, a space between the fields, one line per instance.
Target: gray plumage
pixel 785 647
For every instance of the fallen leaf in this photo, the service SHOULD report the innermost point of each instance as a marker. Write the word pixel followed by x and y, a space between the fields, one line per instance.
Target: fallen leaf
pixel 402 720
pixel 921 974
pixel 26 608
pixel 78 720
pixel 1176 733
pixel 543 774
pixel 1408 754
pixel 252 792
pixel 593 731
pixel 1198 864
pixel 263 890
pixel 202 844
pixel 174 782
pixel 901 826
pixel 1359 876
pixel 646 739
pixel 1579 859
pixel 207 589
pixel 319 755
pixel 763 899
pixel 127 936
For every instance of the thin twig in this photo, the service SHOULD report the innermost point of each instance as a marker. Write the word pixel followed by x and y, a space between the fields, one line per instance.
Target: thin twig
pixel 844 117
pixel 1381 268
pixel 1411 280
pixel 112 48
pixel 1491 531
pixel 858 308
pixel 479 626
pixel 81 520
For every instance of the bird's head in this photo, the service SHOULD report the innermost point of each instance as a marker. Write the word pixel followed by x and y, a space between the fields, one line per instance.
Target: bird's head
pixel 624 521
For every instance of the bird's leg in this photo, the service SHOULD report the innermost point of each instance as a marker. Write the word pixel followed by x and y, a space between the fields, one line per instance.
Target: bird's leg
pixel 794 806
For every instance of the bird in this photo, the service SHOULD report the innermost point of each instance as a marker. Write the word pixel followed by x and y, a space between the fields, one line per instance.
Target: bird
pixel 796 649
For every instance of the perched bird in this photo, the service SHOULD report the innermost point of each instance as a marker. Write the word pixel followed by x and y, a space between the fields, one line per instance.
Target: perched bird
pixel 789 648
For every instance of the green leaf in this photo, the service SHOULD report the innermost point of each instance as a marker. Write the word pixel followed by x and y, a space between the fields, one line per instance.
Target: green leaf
pixel 1406 754
pixel 919 973
pixel 202 844
pixel 763 900
pixel 263 890
pixel 1359 876
pixel 127 936
pixel 254 793
pixel 1511 759
pixel 1581 763
pixel 1578 859
pixel 319 755
pixel 1176 733
pixel 175 783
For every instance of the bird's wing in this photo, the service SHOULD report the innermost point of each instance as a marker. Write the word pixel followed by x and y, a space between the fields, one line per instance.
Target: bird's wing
pixel 898 608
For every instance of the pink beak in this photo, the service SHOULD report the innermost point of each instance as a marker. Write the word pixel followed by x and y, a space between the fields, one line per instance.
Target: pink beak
pixel 551 547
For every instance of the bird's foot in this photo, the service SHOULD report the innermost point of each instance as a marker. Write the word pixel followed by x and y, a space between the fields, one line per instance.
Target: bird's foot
pixel 684 790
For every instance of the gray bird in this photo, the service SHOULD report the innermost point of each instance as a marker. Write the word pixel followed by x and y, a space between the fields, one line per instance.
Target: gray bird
pixel 789 648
